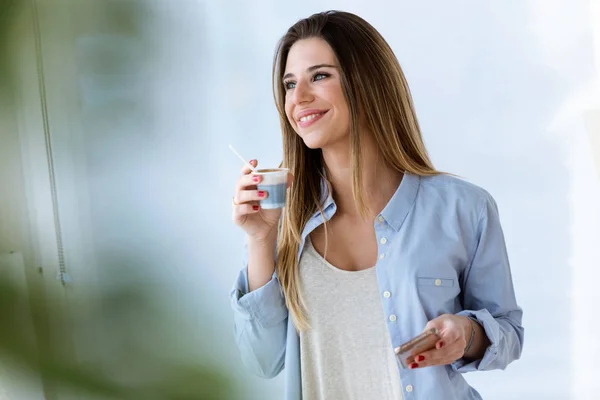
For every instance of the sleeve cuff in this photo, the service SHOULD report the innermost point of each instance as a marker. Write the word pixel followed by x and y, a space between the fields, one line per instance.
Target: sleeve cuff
pixel 492 331
pixel 266 304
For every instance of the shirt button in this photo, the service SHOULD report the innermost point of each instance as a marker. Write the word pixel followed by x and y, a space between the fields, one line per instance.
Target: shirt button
pixel 392 318
pixel 383 241
pixel 438 282
pixel 409 388
pixel 380 218
pixel 386 294
pixel 381 256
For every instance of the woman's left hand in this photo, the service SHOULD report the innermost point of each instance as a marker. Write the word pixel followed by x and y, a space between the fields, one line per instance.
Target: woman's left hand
pixel 455 332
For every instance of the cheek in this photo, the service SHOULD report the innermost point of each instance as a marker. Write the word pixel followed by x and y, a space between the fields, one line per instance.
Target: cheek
pixel 343 115
pixel 337 99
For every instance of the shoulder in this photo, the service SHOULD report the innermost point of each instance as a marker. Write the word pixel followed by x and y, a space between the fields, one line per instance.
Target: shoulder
pixel 447 190
pixel 453 204
pixel 455 200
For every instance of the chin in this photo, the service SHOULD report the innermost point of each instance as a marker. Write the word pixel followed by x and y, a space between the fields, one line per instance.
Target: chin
pixel 313 141
pixel 312 145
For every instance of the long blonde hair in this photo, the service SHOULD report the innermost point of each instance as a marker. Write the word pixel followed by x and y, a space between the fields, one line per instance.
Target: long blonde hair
pixel 379 100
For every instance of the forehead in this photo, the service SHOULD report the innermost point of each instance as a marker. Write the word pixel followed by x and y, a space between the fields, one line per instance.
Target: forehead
pixel 308 52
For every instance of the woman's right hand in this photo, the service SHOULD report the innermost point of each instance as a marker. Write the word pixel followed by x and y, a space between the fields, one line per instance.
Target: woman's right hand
pixel 259 224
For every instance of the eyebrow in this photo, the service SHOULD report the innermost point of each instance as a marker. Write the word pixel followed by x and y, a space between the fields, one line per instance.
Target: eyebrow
pixel 310 69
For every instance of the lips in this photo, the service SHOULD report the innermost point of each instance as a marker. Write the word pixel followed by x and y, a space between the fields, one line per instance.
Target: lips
pixel 309 117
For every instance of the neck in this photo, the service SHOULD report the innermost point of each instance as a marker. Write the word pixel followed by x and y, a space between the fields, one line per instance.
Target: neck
pixel 380 182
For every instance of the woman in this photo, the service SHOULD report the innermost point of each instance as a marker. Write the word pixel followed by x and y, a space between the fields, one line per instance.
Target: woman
pixel 374 245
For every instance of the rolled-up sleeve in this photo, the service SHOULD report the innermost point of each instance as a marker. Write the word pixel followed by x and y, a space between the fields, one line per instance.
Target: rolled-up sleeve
pixel 265 305
pixel 489 296
pixel 260 324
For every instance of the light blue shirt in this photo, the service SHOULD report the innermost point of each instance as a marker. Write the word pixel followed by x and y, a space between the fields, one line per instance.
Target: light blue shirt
pixel 440 250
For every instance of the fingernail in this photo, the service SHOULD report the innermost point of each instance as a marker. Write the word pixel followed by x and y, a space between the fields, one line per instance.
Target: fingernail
pixel 420 358
pixel 396 350
pixel 441 345
pixel 414 365
pixel 255 208
pixel 255 178
pixel 253 162
pixel 261 193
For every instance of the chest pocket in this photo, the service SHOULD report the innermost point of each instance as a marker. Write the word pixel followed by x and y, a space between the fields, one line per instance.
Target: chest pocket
pixel 438 295
pixel 439 282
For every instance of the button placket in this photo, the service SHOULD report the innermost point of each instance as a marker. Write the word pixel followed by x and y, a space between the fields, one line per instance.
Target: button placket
pixel 386 294
pixel 382 241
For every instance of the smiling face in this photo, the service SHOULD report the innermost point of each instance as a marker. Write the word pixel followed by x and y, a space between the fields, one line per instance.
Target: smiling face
pixel 315 105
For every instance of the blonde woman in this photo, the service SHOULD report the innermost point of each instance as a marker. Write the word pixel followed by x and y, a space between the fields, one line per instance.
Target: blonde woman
pixel 374 244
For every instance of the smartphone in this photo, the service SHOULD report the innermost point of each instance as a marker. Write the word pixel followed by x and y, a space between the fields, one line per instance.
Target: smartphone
pixel 425 341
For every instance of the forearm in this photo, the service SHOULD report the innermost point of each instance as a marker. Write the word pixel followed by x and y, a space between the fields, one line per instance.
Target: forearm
pixel 261 261
pixel 260 317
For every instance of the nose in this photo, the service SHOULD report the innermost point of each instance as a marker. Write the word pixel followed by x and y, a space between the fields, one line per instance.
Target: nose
pixel 302 93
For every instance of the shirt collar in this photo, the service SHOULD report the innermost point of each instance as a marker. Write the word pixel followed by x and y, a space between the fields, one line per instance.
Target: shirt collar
pixel 402 201
pixel 395 211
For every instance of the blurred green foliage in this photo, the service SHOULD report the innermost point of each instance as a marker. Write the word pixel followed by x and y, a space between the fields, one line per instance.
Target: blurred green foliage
pixel 147 372
pixel 8 9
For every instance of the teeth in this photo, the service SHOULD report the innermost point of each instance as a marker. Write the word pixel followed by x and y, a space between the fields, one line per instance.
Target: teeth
pixel 309 117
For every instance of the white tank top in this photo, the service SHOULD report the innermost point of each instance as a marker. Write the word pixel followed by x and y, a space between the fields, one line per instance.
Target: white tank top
pixel 347 354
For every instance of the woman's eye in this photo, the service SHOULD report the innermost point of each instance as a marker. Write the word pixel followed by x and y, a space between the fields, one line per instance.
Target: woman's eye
pixel 317 77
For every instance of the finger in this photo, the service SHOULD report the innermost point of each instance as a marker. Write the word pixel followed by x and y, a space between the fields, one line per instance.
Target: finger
pixel 426 359
pixel 245 196
pixel 443 356
pixel 248 182
pixel 242 210
pixel 290 180
pixel 245 170
pixel 431 324
pixel 449 335
pixel 448 330
pixel 436 323
pixel 446 342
